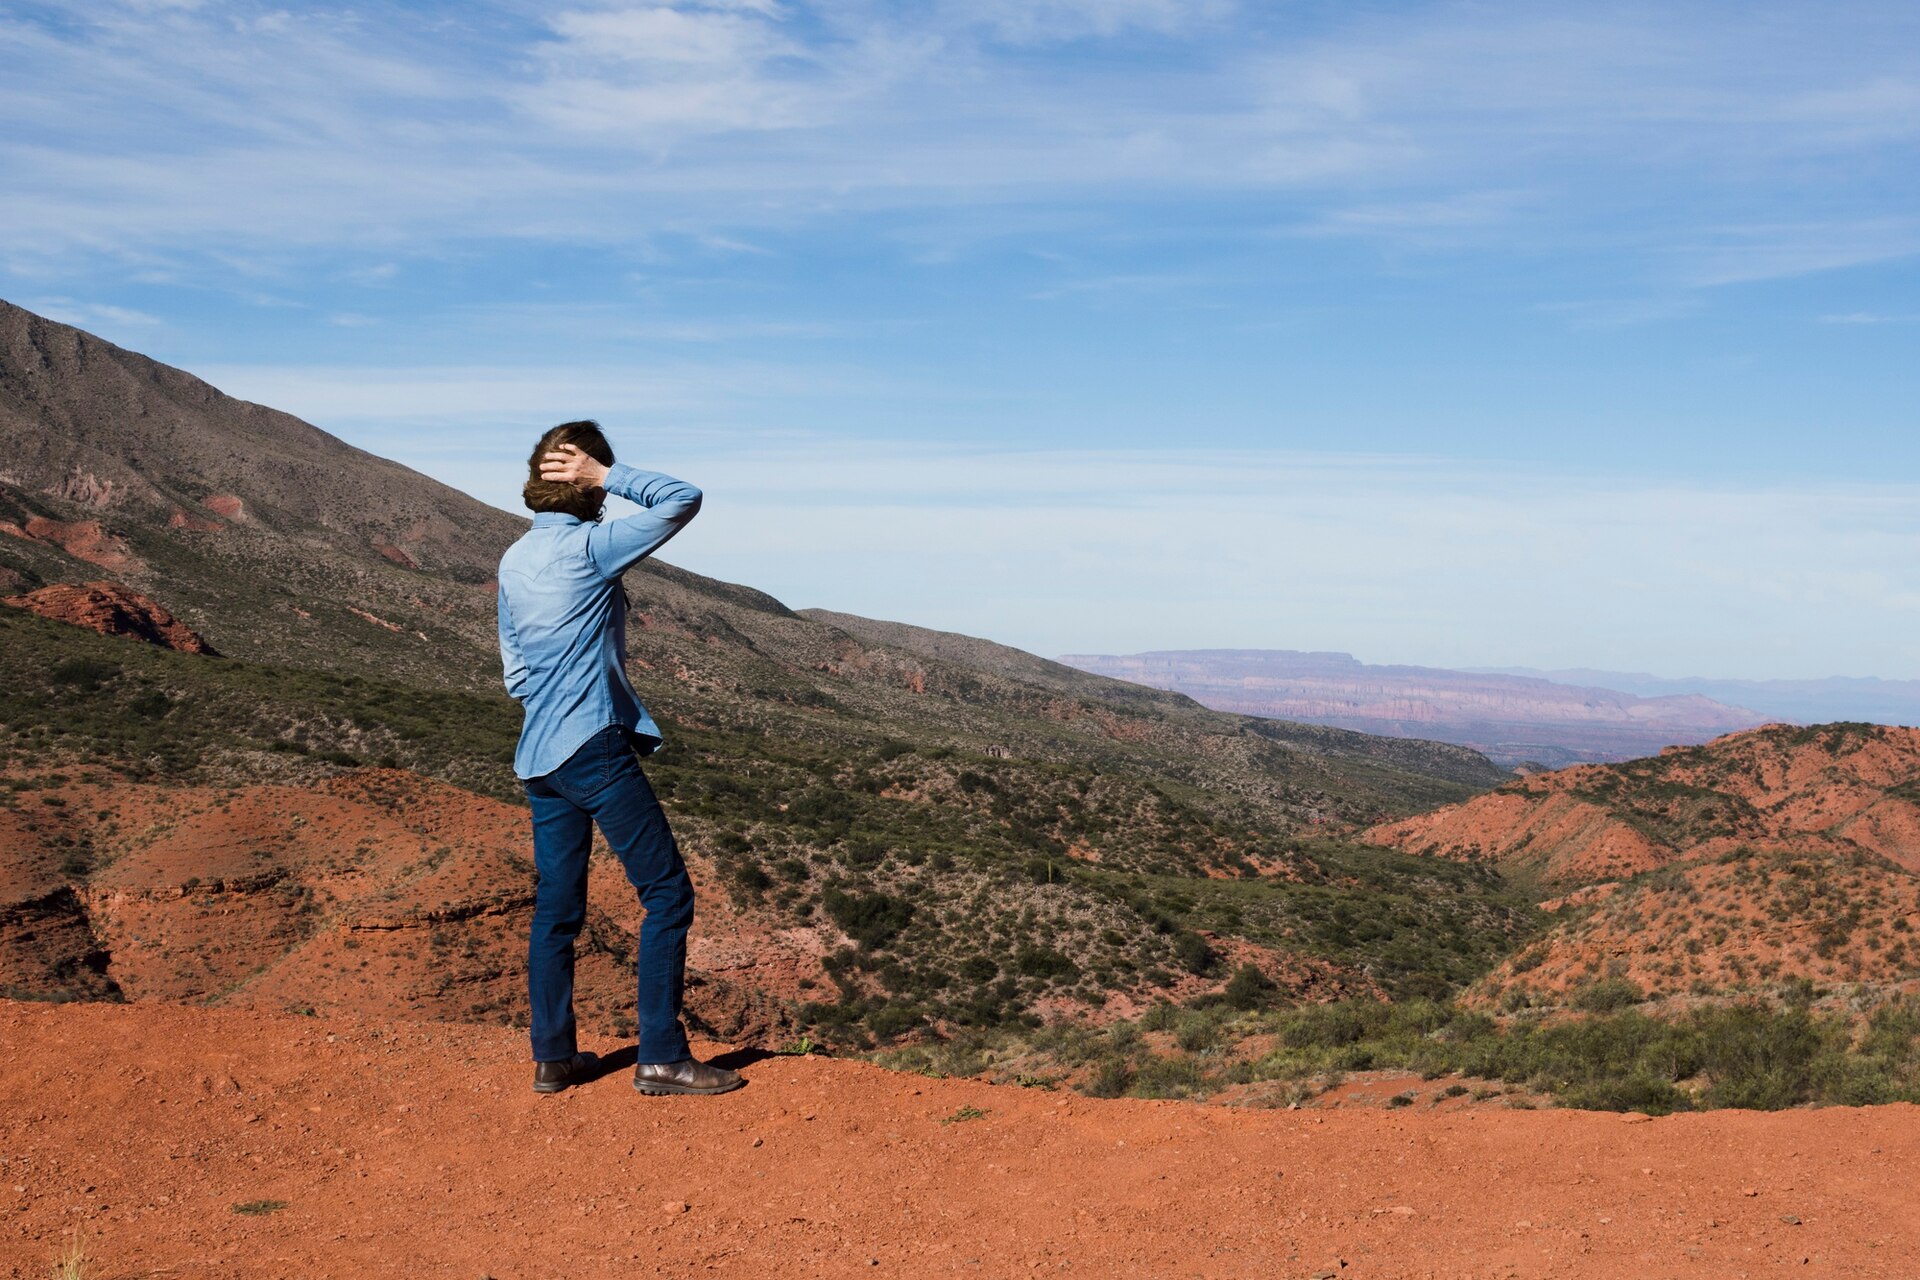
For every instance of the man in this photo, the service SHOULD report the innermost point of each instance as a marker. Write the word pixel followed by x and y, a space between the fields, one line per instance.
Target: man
pixel 563 623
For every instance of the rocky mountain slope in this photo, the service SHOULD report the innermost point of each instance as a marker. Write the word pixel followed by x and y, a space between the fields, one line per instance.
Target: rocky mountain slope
pixel 1513 719
pixel 898 837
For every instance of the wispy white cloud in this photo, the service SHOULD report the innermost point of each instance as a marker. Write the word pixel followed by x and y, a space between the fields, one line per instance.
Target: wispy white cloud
pixel 1868 317
pixel 426 398
pixel 1043 21
pixel 171 126
pixel 1623 313
pixel 1743 255
pixel 101 316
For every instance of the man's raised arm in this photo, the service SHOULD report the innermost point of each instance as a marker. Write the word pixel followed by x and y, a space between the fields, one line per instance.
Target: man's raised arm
pixel 614 546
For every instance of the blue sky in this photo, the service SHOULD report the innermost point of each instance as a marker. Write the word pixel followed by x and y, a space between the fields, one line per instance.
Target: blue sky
pixel 1470 334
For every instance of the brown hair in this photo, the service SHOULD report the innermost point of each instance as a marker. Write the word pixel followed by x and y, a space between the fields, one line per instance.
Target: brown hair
pixel 552 495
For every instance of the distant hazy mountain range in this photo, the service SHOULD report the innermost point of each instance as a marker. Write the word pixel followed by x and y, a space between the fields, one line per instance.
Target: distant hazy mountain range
pixel 1807 701
pixel 1513 718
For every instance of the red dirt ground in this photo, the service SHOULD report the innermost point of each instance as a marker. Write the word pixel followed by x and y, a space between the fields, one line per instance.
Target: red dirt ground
pixel 416 1149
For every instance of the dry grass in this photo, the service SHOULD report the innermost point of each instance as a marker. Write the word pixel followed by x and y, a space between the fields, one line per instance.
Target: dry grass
pixel 72 1263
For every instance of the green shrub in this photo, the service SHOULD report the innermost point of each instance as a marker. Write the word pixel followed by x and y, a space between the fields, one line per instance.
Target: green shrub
pixel 979 969
pixel 1110 1079
pixel 1608 995
pixel 871 919
pixel 893 1020
pixel 1193 953
pixel 1248 988
pixel 1757 1058
pixel 1044 962
pixel 1168 1077
pixel 1194 1030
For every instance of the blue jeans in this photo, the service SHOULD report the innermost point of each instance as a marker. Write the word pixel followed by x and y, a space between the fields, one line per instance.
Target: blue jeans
pixel 602 782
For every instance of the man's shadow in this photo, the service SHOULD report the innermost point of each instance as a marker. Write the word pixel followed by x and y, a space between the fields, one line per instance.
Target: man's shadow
pixel 624 1059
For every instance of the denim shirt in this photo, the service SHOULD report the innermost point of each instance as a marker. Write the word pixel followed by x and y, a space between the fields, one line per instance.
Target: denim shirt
pixel 563 619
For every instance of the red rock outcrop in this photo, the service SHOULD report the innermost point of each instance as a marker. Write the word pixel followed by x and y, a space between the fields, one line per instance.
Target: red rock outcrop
pixel 1746 920
pixel 1779 855
pixel 377 892
pixel 1838 788
pixel 193 523
pixel 112 610
pixel 83 540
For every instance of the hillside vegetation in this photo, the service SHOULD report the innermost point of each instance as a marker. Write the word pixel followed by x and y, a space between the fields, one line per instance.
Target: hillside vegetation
pixel 922 844
pixel 899 834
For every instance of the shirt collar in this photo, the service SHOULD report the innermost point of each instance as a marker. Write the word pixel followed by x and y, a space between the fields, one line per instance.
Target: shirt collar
pixel 544 519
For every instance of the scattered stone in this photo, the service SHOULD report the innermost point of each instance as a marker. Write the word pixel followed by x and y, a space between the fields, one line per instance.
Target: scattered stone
pixel 1750 1191
pixel 1635 1117
pixel 1790 1219
pixel 672 1207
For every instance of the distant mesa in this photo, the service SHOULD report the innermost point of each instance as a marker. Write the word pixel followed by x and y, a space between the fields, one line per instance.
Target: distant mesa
pixel 113 610
pixel 1520 721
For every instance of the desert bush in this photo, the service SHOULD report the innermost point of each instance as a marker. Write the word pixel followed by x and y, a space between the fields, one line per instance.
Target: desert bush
pixel 1195 1030
pixel 894 1020
pixel 1111 1078
pixel 1044 962
pixel 871 919
pixel 1162 1076
pixel 1758 1058
pixel 1193 953
pixel 1248 989
pixel 1160 1016
pixel 1332 1026
pixel 1608 995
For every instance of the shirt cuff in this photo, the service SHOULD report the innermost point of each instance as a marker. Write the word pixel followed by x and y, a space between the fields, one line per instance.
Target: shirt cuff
pixel 623 480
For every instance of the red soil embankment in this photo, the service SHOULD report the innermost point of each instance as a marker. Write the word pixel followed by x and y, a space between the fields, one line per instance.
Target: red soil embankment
pixel 417 1149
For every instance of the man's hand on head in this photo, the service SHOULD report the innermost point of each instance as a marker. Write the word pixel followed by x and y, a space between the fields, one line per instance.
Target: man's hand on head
pixel 568 464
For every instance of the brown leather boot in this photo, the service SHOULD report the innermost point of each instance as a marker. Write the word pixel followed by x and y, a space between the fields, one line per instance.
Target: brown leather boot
pixel 552 1077
pixel 685 1076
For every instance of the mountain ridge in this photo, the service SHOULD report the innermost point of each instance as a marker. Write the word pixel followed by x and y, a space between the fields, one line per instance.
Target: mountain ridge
pixel 1809 701
pixel 1514 720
